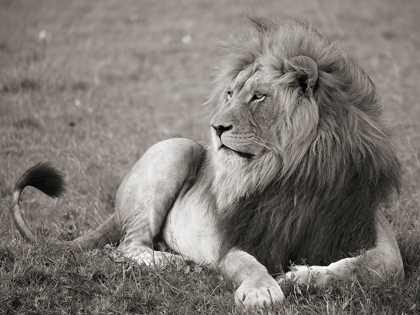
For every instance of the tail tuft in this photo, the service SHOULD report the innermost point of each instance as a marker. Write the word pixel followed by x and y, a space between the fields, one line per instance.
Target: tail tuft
pixel 43 177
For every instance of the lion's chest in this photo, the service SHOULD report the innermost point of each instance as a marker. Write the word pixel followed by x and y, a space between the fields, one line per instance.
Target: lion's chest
pixel 189 229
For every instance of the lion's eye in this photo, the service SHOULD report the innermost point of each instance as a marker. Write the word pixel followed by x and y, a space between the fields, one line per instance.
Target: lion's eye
pixel 229 94
pixel 257 97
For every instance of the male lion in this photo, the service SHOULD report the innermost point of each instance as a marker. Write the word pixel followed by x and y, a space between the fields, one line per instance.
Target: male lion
pixel 300 161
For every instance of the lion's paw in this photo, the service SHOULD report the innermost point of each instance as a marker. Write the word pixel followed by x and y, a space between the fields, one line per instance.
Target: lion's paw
pixel 253 294
pixel 317 275
pixel 158 259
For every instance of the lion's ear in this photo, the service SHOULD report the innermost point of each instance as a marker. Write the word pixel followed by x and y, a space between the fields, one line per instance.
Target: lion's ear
pixel 305 71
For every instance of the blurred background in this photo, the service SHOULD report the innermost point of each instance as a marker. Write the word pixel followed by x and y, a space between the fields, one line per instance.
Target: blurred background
pixel 90 85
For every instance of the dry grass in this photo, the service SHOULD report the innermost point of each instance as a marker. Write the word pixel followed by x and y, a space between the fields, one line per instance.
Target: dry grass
pixel 90 85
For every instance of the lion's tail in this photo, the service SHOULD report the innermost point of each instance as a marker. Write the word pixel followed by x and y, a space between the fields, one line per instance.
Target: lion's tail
pixel 50 181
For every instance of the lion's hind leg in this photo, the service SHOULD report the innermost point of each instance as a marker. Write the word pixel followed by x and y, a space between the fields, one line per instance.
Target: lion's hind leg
pixel 138 244
pixel 148 193
pixel 382 262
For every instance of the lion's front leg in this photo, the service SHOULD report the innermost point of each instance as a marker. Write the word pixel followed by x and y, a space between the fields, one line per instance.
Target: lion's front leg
pixel 380 262
pixel 324 275
pixel 254 285
pixel 148 193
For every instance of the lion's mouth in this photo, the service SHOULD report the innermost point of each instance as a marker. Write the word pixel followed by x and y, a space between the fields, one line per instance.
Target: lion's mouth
pixel 241 154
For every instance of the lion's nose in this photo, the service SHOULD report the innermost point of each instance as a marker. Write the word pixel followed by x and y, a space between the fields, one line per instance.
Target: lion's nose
pixel 219 129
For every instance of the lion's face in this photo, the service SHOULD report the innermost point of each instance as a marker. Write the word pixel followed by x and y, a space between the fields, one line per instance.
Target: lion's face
pixel 245 155
pixel 266 119
pixel 241 127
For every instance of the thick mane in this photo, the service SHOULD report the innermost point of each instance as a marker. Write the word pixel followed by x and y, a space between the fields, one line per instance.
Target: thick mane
pixel 336 162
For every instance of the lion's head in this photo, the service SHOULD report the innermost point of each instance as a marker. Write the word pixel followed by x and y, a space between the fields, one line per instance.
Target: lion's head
pixel 301 155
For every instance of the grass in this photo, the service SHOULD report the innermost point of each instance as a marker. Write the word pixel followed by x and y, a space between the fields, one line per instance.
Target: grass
pixel 91 85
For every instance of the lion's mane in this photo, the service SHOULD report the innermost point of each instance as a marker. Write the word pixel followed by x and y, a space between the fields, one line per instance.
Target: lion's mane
pixel 333 159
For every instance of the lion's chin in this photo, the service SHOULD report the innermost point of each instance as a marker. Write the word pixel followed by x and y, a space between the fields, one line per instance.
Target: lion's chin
pixel 229 151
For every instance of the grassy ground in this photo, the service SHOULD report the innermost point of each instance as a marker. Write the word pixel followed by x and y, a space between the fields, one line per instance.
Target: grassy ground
pixel 90 85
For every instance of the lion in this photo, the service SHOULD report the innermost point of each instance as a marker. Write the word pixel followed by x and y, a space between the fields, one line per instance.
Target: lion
pixel 291 183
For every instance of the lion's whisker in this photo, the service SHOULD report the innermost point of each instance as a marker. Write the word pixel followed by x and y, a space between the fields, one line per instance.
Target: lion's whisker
pixel 260 141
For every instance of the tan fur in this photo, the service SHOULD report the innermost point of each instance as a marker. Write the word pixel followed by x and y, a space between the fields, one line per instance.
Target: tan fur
pixel 299 163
